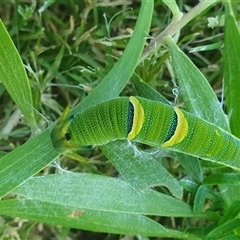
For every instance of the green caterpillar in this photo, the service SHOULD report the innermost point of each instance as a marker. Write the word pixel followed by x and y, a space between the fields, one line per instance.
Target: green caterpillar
pixel 148 122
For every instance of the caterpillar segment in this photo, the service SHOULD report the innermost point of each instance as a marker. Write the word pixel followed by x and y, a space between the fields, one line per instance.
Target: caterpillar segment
pixel 149 122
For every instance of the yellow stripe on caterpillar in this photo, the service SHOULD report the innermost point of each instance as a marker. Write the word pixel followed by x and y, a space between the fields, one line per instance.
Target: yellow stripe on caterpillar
pixel 138 118
pixel 181 130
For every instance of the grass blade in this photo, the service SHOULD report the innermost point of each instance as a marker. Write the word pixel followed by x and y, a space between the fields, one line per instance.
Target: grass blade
pixel 14 77
pixel 231 68
pixel 118 76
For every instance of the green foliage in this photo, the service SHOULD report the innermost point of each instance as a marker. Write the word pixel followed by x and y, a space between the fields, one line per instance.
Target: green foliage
pixel 14 77
pixel 69 49
pixel 231 72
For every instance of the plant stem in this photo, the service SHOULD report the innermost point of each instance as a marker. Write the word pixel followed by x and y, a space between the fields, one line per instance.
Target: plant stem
pixel 175 26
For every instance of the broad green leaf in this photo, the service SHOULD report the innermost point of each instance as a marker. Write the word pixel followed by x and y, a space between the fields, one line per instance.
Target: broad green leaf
pixel 231 68
pixel 96 192
pixel 25 161
pixel 35 154
pixel 14 77
pixel 139 168
pixel 86 219
pixel 2 153
pixel 94 202
pixel 196 92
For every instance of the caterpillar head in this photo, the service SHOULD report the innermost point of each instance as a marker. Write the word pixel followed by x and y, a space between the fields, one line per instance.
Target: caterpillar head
pixel 60 135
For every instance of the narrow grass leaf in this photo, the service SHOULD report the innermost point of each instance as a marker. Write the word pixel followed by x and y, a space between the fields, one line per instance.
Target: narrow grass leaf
pixel 222 178
pixel 14 77
pixel 231 237
pixel 231 213
pixel 205 193
pixel 207 47
pixel 225 228
pixel 231 68
pixel 119 75
pixel 46 5
pixel 172 5
pixel 53 69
